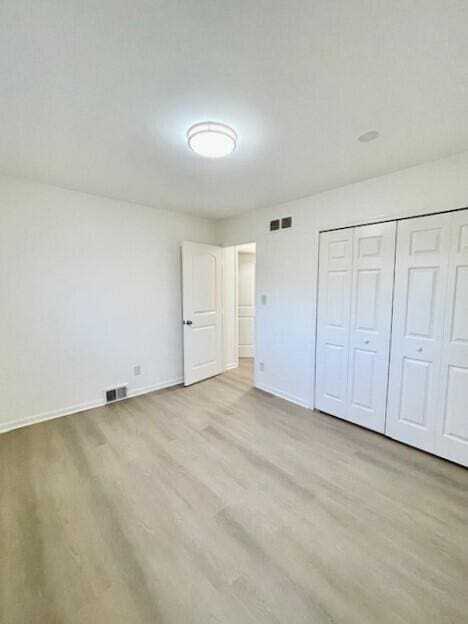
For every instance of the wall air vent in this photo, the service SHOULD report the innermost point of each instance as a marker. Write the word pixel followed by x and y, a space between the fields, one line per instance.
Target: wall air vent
pixel 122 392
pixel 280 224
pixel 116 394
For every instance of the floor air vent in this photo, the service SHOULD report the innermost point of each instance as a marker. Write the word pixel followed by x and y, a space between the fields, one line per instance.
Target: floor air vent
pixel 116 394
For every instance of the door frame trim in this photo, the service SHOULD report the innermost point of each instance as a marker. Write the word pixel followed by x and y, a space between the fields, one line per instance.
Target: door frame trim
pixel 374 222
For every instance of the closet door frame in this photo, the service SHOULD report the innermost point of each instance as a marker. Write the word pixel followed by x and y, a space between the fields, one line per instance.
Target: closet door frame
pixel 437 448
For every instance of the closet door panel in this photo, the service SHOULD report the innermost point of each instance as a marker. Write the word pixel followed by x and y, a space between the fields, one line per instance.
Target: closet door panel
pixel 371 315
pixel 334 294
pixel 452 421
pixel 417 329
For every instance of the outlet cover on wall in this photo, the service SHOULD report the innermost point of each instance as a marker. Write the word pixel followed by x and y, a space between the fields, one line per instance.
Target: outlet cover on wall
pixel 136 370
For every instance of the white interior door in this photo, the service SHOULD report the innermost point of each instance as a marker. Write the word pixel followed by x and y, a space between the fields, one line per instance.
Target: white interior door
pixel 246 304
pixel 452 413
pixel 202 311
pixel 333 316
pixel 371 318
pixel 418 323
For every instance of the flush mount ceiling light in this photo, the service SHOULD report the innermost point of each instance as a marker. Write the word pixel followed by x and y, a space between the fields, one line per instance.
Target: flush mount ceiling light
pixel 212 139
pixel 368 136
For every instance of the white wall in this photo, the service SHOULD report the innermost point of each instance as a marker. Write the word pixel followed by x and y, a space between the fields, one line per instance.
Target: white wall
pixel 287 260
pixel 89 288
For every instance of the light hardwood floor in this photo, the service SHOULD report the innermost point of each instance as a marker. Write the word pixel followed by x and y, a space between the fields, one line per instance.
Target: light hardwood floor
pixel 221 504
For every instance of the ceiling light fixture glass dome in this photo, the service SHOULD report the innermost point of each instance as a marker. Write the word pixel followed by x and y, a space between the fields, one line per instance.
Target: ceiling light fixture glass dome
pixel 212 139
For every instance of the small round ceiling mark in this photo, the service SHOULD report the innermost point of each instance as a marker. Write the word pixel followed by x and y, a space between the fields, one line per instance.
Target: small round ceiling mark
pixel 368 136
pixel 212 139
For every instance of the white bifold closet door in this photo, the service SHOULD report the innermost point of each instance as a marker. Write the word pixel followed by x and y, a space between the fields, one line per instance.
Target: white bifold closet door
pixel 428 393
pixel 426 279
pixel 334 307
pixel 356 268
pixel 418 327
pixel 452 422
pixel 371 319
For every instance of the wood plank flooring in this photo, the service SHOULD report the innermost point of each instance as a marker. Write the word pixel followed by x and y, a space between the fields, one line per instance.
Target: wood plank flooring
pixel 221 504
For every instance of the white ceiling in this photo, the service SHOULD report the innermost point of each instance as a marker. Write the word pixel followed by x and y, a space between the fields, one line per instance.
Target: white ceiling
pixel 97 95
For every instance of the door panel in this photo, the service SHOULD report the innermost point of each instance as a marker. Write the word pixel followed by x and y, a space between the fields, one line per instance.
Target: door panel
pixel 246 304
pixel 420 302
pixel 418 322
pixel 333 314
pixel 370 323
pixel 203 283
pixel 367 297
pixel 415 383
pixel 454 409
pixel 363 375
pixel 202 311
pixel 336 308
pixel 459 329
pixel 333 374
pixel 452 424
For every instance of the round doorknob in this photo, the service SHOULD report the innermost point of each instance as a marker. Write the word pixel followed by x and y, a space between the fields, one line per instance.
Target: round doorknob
pixel 189 322
pixel 419 349
pixel 366 341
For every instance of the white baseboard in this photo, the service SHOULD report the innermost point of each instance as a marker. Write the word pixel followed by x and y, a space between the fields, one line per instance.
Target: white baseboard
pixel 58 413
pixel 155 387
pixel 230 366
pixel 284 395
pixel 80 407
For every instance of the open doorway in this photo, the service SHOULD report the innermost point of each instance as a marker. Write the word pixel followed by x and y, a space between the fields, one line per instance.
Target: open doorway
pixel 218 310
pixel 246 301
pixel 239 307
